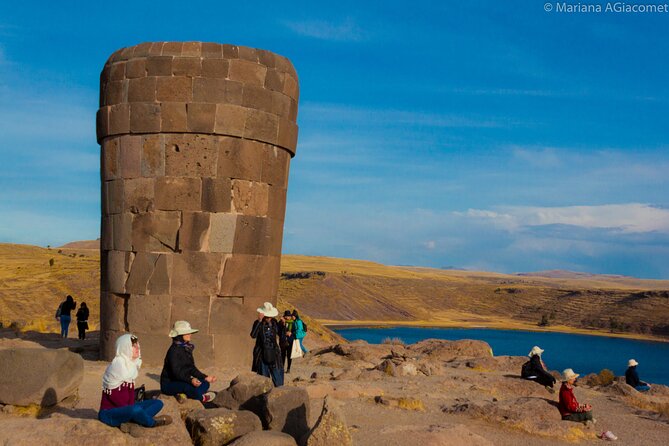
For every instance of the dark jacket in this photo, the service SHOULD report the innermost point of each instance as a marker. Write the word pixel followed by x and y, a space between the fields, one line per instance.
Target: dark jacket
pixel 66 308
pixel 266 349
pixel 82 314
pixel 179 365
pixel 632 377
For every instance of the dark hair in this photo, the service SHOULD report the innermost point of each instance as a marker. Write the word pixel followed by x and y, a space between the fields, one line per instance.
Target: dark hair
pixel 179 338
pixel 296 314
pixel 82 305
pixel 70 298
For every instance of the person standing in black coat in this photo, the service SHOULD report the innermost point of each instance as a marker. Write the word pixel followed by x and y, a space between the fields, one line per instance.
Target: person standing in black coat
pixel 266 352
pixel 82 320
pixel 286 337
pixel 180 377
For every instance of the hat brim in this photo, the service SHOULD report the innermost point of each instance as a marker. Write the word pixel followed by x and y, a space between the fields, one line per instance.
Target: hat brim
pixel 174 333
pixel 273 313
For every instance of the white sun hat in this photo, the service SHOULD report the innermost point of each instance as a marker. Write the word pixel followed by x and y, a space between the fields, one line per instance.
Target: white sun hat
pixel 632 362
pixel 268 310
pixel 569 374
pixel 181 328
pixel 535 351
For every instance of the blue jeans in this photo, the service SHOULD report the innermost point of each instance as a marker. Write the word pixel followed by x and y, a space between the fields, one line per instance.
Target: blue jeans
pixel 272 371
pixel 192 392
pixel 64 325
pixel 643 388
pixel 304 349
pixel 141 413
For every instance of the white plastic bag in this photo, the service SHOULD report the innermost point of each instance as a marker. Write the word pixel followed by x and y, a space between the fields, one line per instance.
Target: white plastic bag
pixel 296 351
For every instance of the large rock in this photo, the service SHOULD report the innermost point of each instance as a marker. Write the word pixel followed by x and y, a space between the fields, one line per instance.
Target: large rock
pixel 175 433
pixel 286 410
pixel 215 427
pixel 245 393
pixel 265 438
pixel 38 376
pixel 442 350
pixel 330 428
pixel 369 353
pixel 436 435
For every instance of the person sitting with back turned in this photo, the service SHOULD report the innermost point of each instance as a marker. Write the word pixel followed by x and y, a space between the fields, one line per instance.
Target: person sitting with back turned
pixel 569 408
pixel 180 377
pixel 632 377
pixel 535 369
pixel 118 406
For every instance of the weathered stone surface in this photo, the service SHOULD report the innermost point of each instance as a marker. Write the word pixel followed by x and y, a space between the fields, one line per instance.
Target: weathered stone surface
pixel 130 156
pixel 239 159
pixel 227 312
pixel 156 231
pixel 247 72
pixel 149 314
pixel 265 438
pixel 275 164
pixel 190 155
pixel 230 119
pixel 140 273
pixel 122 231
pixel 194 233
pixel 286 410
pixel 197 273
pixel 201 117
pixel 435 435
pixel 114 305
pixel 214 427
pixel 245 392
pixel 262 126
pixel 330 428
pixel 110 156
pixel 38 376
pixel 442 350
pixel 178 193
pixel 138 195
pixel 144 117
pixel 153 156
pixel 187 66
pixel 194 309
pixel 250 198
pixel 115 274
pixel 174 89
pixel 174 117
pixel 216 194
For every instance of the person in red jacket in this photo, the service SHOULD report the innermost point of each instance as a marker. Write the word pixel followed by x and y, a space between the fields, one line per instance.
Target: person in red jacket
pixel 117 406
pixel 569 408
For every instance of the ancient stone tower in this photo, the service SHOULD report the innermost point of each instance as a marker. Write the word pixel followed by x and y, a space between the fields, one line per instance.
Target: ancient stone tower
pixel 196 143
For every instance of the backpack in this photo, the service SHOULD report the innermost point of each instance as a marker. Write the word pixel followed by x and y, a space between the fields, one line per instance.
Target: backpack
pixel 59 311
pixel 304 326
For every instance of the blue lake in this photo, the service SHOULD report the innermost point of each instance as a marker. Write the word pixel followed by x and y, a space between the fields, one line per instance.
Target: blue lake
pixel 585 354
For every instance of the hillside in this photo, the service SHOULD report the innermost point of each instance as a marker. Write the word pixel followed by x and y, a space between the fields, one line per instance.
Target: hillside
pixel 343 291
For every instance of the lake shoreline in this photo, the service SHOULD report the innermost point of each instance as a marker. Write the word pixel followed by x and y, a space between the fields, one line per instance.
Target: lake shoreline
pixel 335 325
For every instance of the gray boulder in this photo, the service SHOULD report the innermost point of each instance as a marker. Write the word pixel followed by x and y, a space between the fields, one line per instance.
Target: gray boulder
pixel 330 428
pixel 245 393
pixel 265 438
pixel 286 410
pixel 215 427
pixel 38 376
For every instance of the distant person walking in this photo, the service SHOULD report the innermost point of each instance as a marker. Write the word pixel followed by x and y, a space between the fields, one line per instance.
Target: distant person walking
pixel 117 406
pixel 569 408
pixel 287 336
pixel 300 330
pixel 632 377
pixel 536 370
pixel 82 320
pixel 64 315
pixel 266 352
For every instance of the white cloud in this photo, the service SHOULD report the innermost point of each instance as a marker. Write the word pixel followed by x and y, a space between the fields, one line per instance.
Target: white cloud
pixel 320 29
pixel 627 218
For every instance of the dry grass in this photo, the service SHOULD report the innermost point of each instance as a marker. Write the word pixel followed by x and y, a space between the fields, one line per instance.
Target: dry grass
pixel 393 341
pixel 411 404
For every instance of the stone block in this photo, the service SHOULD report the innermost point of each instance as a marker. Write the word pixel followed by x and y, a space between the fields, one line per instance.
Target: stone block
pixel 262 126
pixel 266 438
pixel 234 92
pixel 117 92
pixel 156 48
pixel 190 155
pixel 266 58
pixel 194 232
pixel 257 97
pixel 276 209
pixel 172 48
pixel 234 350
pixel 138 195
pixel 240 159
pixel 174 89
pixel 252 235
pixel 149 314
pixel 222 232
pixel 192 49
pixel 194 309
pixel 274 80
pixel 115 274
pixel 275 165
pixel 330 428
pixel 213 427
pixel 135 68
pixel 204 353
pixel 130 162
pixel 113 306
pixel 178 193
pixel 230 51
pixel 122 231
pixel 210 90
pixel 201 117
pixel 286 410
pixel 160 281
pixel 187 66
pixel 287 135
pixel 269 269
pixel 216 194
pixel 119 119
pixel 230 119
pixel 291 87
pixel 153 155
pixel 154 346
pixel 211 51
pixel 106 234
pixel 195 273
pixel 281 104
pixel 107 343
pixel 283 64
pixel 102 123
pixel 249 197
pixel 247 53
pixel 156 231
pixel 113 190
pixel 239 278
pixel 159 66
pixel 292 114
pixel 247 72
pixel 142 89
pixel 228 312
pixel 110 159
pixel 215 68
pixel 117 71
pixel 144 117
pixel 140 273
pixel 174 118
pixel 141 50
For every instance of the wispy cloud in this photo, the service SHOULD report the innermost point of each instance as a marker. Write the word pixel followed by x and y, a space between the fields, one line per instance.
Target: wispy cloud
pixel 346 31
pixel 626 218
pixel 544 157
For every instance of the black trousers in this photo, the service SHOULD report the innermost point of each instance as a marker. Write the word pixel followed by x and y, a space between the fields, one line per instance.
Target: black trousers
pixel 544 378
pixel 82 326
pixel 285 355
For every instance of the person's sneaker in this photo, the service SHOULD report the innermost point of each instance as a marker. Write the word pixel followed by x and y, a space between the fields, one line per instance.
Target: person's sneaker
pixel 162 420
pixel 208 397
pixel 181 398
pixel 135 430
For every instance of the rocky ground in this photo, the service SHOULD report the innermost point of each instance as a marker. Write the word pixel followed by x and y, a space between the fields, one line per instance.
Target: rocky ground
pixel 431 393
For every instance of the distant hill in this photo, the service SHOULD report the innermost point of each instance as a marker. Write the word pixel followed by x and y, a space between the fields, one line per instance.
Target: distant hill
pixel 563 274
pixel 83 244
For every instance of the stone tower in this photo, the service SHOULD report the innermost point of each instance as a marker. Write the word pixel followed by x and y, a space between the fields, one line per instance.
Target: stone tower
pixel 196 141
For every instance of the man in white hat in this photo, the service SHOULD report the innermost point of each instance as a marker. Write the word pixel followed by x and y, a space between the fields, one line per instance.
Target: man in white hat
pixel 266 352
pixel 632 377
pixel 569 408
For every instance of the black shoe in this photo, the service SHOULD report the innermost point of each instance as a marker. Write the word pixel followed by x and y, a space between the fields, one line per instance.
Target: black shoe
pixel 162 420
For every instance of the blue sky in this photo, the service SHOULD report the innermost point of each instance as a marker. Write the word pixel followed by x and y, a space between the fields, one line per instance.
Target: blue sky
pixel 484 135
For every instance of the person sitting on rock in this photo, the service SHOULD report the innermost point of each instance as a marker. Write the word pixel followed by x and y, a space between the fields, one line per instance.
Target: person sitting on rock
pixel 569 408
pixel 118 406
pixel 632 377
pixel 266 352
pixel 287 337
pixel 180 377
pixel 536 370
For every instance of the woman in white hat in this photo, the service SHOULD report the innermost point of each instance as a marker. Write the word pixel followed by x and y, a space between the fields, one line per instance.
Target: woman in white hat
pixel 569 408
pixel 632 377
pixel 117 406
pixel 266 352
pixel 180 377
pixel 536 370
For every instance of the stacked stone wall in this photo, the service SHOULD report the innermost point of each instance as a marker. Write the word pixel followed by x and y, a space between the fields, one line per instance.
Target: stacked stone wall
pixel 196 142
